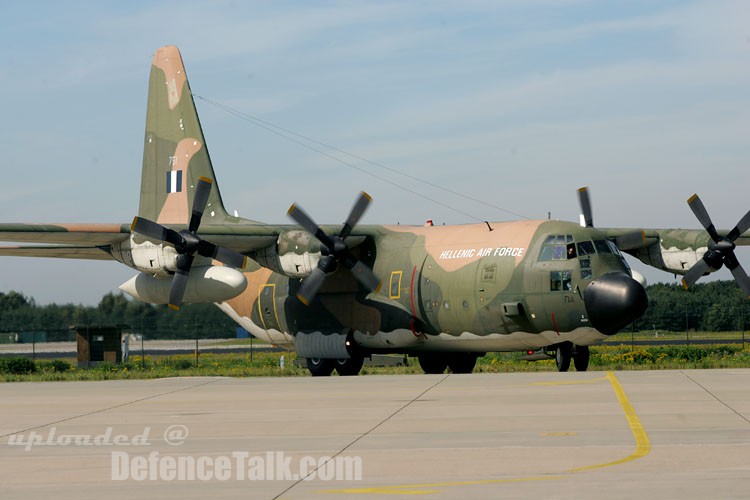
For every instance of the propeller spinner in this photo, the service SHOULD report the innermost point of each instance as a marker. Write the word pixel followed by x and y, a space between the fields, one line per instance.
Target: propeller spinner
pixel 334 251
pixel 188 243
pixel 720 249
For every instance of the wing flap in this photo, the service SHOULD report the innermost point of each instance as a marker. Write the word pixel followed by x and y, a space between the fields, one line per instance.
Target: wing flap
pixel 83 234
pixel 57 251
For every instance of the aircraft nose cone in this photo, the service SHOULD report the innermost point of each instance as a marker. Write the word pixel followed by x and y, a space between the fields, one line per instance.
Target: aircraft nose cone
pixel 613 301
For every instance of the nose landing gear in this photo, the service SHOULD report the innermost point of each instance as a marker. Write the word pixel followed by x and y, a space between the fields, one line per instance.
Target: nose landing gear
pixel 579 354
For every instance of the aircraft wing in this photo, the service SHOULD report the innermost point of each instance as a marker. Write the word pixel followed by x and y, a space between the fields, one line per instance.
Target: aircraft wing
pixel 92 241
pixel 671 250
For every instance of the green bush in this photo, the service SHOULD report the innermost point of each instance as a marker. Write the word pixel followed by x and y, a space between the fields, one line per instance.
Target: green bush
pixel 17 365
pixel 54 366
pixel 178 363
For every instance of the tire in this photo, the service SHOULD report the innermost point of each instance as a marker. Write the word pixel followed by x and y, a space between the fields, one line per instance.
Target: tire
pixel 433 363
pixel 320 367
pixel 349 367
pixel 563 354
pixel 462 362
pixel 581 357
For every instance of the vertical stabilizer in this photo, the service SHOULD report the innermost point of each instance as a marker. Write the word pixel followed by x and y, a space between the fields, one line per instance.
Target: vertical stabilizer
pixel 174 151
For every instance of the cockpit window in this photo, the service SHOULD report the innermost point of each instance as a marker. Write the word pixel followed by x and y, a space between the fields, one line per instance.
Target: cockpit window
pixel 602 246
pixel 586 248
pixel 558 247
pixel 613 247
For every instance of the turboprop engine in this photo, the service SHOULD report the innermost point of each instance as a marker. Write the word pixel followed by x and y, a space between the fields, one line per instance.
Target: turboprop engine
pixel 205 284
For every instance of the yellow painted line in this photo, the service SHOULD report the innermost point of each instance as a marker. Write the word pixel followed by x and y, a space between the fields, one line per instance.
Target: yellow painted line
pixel 571 382
pixel 642 443
pixel 428 488
pixel 642 448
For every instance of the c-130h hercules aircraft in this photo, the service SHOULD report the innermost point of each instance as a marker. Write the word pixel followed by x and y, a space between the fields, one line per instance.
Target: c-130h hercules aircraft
pixel 338 294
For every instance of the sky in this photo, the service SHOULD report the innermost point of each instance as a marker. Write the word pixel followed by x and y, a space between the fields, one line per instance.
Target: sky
pixel 516 103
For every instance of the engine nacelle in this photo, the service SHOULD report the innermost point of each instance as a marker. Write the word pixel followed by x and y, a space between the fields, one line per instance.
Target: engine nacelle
pixel 145 256
pixel 205 285
pixel 672 259
pixel 295 254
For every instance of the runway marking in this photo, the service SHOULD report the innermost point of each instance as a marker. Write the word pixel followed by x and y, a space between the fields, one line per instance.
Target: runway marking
pixel 571 382
pixel 642 442
pixel 642 448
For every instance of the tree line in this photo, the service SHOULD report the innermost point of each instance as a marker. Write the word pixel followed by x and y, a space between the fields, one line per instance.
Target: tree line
pixel 714 306
pixel 19 313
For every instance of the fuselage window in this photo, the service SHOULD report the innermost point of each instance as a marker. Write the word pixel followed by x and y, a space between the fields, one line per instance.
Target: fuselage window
pixel 586 271
pixel 560 281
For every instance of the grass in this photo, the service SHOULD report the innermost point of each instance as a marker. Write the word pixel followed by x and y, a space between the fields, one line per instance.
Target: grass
pixel 267 364
pixel 663 335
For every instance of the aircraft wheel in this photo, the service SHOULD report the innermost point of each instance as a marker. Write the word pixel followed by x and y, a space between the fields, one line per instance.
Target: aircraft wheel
pixel 320 367
pixel 581 357
pixel 562 356
pixel 462 362
pixel 351 366
pixel 433 363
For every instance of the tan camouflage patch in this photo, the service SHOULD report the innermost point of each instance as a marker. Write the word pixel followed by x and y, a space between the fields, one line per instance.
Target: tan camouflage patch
pixel 175 209
pixel 91 228
pixel 243 303
pixel 453 247
pixel 168 59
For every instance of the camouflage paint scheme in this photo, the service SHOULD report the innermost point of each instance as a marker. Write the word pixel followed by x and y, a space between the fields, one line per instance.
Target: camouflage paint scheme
pixel 468 288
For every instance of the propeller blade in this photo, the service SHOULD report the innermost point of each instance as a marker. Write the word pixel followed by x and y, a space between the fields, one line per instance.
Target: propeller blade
pixel 359 208
pixel 585 201
pixel 200 199
pixel 227 256
pixel 365 276
pixel 742 226
pixel 309 225
pixel 177 291
pixel 155 231
pixel 179 280
pixel 699 269
pixel 740 276
pixel 311 285
pixel 696 205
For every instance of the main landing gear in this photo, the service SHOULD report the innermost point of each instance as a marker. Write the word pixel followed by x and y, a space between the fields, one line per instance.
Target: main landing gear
pixel 566 351
pixel 323 367
pixel 457 362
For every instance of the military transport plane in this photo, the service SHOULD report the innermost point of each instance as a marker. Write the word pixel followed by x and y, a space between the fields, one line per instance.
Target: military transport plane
pixel 337 294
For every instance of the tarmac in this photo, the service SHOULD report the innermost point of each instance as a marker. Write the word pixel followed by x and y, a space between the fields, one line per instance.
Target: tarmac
pixel 634 434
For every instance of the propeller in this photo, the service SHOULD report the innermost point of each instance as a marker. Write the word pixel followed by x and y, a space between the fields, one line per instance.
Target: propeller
pixel 188 243
pixel 720 249
pixel 334 251
pixel 587 218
